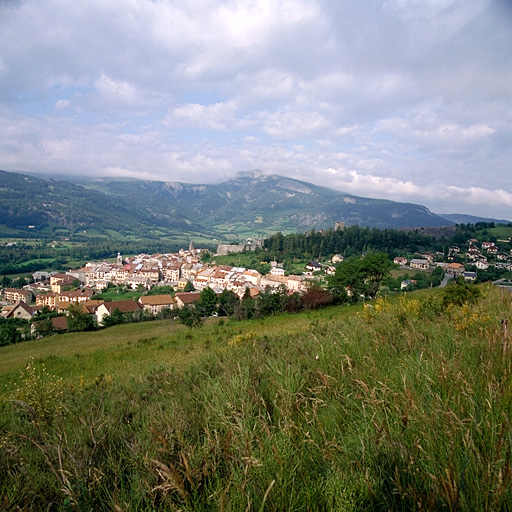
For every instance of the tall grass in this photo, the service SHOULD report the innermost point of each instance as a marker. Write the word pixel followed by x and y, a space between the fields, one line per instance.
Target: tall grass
pixel 401 406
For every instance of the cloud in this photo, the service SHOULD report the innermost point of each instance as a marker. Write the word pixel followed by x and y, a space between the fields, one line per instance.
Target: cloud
pixel 62 104
pixel 410 99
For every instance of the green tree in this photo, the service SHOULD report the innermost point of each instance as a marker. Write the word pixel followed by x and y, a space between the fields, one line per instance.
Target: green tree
pixel 207 303
pixel 245 308
pixel 227 303
pixel 44 328
pixel 115 318
pixel 159 290
pixel 459 292
pixel 189 316
pixel 361 276
pixel 79 319
pixel 9 334
pixel 20 282
pixel 189 287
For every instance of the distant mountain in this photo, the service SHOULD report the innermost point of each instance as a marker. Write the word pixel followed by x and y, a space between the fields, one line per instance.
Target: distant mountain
pixel 459 218
pixel 33 205
pixel 255 202
pixel 250 204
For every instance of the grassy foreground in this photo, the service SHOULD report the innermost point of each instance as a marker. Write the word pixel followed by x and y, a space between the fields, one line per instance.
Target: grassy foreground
pixel 397 406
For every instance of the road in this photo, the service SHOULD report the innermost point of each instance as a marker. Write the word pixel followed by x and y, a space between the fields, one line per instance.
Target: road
pixel 445 280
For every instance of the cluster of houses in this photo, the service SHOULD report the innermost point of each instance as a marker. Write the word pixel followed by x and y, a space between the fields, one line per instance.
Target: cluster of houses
pixel 477 255
pixel 180 270
pixel 142 272
pixel 185 269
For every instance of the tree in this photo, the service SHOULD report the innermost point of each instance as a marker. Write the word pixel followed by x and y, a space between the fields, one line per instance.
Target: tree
pixel 189 316
pixel 227 303
pixel 245 308
pixel 44 328
pixel 271 301
pixel 316 297
pixel 115 318
pixel 9 334
pixel 207 303
pixel 20 282
pixel 79 319
pixel 189 287
pixel 158 290
pixel 361 276
pixel 459 292
pixel 45 312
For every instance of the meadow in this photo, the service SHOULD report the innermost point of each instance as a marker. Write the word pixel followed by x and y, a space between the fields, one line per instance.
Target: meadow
pixel 401 404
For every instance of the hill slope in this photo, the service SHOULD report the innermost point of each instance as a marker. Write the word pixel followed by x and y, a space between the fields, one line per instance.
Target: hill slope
pixel 254 202
pixel 250 204
pixel 48 204
pixel 403 406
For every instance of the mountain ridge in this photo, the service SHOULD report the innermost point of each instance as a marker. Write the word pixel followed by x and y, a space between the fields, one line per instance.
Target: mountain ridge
pixel 251 203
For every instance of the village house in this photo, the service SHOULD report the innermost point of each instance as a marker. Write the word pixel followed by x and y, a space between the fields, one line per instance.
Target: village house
pixel 151 272
pixel 482 265
pixel 49 300
pixel 428 256
pixel 296 284
pixel 274 281
pixel 419 264
pixel 134 281
pixel 124 306
pixel 277 271
pixel 220 277
pixel 40 275
pixel 101 284
pixel 155 303
pixel 59 324
pixel 59 281
pixel 252 276
pixel 18 294
pixel 238 286
pixel 473 253
pixel 455 268
pixel 337 258
pixel 75 296
pixel 171 272
pixel 469 276
pixel 182 283
pixel 21 310
pixel 408 283
pixel 330 270
pixel 186 298
pixel 187 271
pixel 202 278
pixel 399 260
pixel 313 266
pixel 40 287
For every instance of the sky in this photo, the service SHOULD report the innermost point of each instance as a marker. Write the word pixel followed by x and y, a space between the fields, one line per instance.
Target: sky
pixel 408 100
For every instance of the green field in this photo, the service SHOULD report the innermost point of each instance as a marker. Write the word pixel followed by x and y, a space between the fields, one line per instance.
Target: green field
pixel 402 404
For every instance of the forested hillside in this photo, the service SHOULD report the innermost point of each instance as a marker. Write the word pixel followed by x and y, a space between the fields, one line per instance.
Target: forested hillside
pixel 249 205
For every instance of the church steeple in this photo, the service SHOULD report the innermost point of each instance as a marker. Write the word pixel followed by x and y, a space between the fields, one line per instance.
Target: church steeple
pixel 191 246
pixel 119 259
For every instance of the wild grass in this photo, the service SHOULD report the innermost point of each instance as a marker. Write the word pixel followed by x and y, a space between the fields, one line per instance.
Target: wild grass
pixel 402 405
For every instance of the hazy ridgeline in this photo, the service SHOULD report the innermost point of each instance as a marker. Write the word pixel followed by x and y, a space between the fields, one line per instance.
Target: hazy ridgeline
pixel 403 405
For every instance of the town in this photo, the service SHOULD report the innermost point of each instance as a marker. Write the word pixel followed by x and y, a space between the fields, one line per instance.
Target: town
pixel 183 271
pixel 183 275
